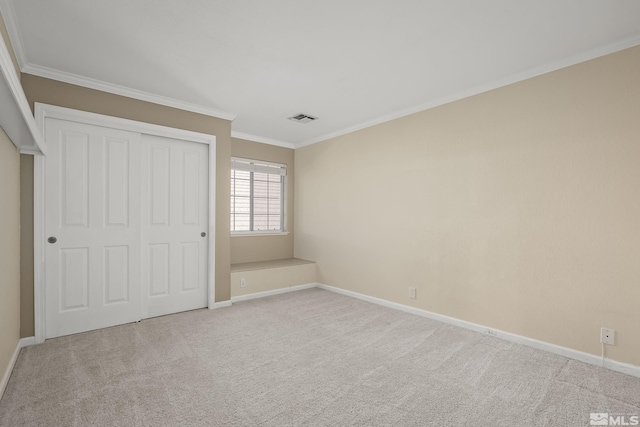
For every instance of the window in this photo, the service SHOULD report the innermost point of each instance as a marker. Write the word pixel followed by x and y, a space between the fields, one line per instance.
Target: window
pixel 257 196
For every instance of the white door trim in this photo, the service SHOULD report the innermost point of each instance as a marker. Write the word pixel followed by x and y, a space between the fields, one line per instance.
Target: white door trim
pixel 38 247
pixel 44 111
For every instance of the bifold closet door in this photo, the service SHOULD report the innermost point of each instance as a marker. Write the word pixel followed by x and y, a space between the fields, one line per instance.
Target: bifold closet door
pixel 92 225
pixel 175 212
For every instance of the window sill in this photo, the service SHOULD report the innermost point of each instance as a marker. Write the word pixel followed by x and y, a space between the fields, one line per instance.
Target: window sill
pixel 258 233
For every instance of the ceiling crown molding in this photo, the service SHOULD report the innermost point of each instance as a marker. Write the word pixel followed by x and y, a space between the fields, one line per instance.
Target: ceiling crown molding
pixel 15 115
pixel 100 85
pixel 262 140
pixel 11 22
pixel 505 81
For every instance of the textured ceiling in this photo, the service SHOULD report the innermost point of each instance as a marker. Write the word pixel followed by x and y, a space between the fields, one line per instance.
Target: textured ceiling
pixel 350 63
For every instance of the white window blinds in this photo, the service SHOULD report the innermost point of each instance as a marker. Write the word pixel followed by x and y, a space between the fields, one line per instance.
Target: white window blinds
pixel 257 196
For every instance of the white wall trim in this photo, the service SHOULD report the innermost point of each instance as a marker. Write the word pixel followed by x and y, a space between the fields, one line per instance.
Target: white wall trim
pixel 5 56
pixel 115 89
pixel 211 262
pixel 221 304
pixel 9 15
pixel 7 8
pixel 591 359
pixel 505 81
pixel 625 368
pixel 44 111
pixel 258 233
pixel 27 341
pixel 11 22
pixel 38 248
pixel 24 342
pixel 7 372
pixel 15 115
pixel 273 292
pixel 262 140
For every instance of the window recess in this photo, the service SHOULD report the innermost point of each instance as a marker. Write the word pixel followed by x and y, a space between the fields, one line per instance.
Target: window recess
pixel 257 196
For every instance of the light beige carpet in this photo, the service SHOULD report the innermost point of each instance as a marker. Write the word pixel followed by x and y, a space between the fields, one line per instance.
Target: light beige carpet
pixel 307 358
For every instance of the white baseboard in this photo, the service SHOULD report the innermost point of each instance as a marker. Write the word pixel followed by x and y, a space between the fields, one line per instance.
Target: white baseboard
pixel 24 342
pixel 273 292
pixel 221 304
pixel 592 359
pixel 625 368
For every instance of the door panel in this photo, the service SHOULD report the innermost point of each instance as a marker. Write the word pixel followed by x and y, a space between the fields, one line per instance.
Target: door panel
pixel 92 208
pixel 117 182
pixel 74 170
pixel 175 213
pixel 74 279
pixel 190 267
pixel 159 181
pixel 190 188
pixel 116 279
pixel 159 270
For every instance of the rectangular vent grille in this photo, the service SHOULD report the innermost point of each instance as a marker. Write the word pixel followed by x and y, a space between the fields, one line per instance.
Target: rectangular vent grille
pixel 302 118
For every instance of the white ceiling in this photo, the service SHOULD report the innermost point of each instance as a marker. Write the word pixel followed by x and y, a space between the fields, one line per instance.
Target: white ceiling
pixel 352 63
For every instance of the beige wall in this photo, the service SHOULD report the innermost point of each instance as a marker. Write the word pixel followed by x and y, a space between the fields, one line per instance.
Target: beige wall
pixel 9 251
pixel 26 246
pixel 272 278
pixel 517 209
pixel 9 239
pixel 53 92
pixel 265 248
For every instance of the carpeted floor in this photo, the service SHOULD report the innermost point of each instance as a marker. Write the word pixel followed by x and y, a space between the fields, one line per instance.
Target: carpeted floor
pixel 307 358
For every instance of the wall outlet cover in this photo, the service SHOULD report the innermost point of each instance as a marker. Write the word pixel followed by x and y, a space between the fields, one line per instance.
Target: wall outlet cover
pixel 607 336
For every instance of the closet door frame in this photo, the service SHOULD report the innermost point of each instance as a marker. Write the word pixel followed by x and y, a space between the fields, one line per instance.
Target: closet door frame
pixel 45 111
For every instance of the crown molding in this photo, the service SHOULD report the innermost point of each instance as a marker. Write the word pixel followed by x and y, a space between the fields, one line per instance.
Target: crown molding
pixel 505 81
pixel 45 111
pixel 16 118
pixel 11 22
pixel 8 13
pixel 100 85
pixel 262 140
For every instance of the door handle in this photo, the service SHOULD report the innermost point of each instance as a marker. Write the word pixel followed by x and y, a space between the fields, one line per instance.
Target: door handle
pixel 203 234
pixel 52 239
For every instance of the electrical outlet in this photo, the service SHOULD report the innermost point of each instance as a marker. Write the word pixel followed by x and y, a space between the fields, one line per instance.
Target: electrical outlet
pixel 607 336
pixel 243 283
pixel 412 293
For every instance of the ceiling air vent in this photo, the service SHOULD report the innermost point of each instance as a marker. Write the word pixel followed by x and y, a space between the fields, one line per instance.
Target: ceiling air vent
pixel 302 118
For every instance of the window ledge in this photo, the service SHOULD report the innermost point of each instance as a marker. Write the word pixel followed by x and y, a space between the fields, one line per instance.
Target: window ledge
pixel 258 233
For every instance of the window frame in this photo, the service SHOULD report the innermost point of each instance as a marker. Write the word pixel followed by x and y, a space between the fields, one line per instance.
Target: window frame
pixel 283 199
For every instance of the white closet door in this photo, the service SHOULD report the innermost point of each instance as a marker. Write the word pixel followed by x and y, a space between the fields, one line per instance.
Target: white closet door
pixel 175 212
pixel 92 221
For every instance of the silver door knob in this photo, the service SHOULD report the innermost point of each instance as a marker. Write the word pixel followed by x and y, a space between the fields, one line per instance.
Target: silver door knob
pixel 203 234
pixel 52 240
